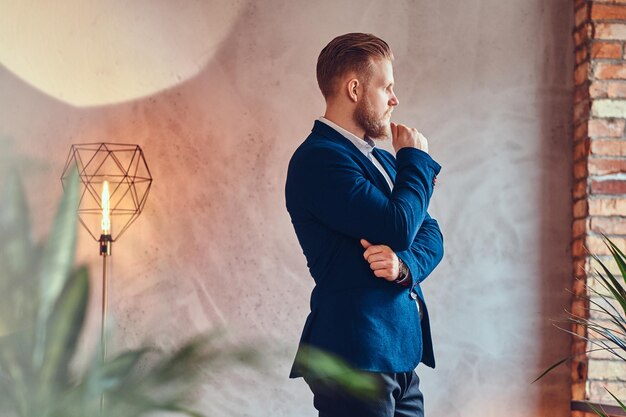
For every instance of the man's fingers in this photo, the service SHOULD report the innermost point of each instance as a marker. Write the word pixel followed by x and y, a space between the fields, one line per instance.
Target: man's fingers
pixel 375 266
pixel 379 257
pixel 373 249
pixel 365 243
pixel 383 273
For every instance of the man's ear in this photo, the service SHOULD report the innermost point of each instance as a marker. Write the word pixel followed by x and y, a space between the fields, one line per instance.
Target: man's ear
pixel 353 89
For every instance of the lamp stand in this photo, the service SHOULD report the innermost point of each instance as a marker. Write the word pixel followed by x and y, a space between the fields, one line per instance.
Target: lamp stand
pixel 105 251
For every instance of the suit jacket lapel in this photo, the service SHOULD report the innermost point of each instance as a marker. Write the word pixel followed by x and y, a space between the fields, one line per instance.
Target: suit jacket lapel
pixel 368 166
pixel 387 161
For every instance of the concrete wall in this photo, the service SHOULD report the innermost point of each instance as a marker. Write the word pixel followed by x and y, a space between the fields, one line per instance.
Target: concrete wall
pixel 487 81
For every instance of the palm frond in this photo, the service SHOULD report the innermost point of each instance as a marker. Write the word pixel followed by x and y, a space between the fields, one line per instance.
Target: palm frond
pixel 621 404
pixel 603 336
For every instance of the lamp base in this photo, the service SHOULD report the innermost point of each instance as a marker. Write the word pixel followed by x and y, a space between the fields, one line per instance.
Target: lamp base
pixel 105 245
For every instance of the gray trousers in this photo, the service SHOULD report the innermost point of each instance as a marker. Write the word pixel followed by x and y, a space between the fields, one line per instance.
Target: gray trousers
pixel 400 397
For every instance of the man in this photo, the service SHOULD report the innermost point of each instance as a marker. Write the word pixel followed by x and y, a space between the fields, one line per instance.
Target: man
pixel 361 218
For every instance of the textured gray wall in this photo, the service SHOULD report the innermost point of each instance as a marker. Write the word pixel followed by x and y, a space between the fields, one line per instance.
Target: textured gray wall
pixel 487 81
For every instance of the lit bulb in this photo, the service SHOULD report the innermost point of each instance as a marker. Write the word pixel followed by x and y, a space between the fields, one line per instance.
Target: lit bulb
pixel 106 219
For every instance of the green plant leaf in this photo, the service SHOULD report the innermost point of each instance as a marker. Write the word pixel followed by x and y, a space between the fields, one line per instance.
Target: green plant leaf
pixel 615 318
pixel 322 366
pixel 622 267
pixel 64 327
pixel 621 404
pixel 612 285
pixel 601 344
pixel 16 250
pixel 58 258
pixel 605 298
pixel 116 372
pixel 620 255
pixel 596 410
pixel 551 367
pixel 15 384
pixel 15 228
pixel 176 408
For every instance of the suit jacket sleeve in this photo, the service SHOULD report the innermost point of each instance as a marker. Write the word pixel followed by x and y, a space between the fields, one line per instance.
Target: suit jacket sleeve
pixel 425 252
pixel 335 190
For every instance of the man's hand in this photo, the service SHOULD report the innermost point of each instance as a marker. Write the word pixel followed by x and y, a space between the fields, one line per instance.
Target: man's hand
pixel 407 137
pixel 383 261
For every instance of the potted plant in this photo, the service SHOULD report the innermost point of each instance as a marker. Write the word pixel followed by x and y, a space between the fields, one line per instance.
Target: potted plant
pixel 606 328
pixel 43 304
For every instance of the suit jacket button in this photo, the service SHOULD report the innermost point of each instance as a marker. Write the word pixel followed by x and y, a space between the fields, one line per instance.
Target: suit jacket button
pixel 413 295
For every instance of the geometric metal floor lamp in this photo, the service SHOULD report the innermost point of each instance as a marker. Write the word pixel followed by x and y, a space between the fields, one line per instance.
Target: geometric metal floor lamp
pixel 114 184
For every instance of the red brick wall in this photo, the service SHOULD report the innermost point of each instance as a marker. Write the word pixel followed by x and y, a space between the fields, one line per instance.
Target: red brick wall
pixel 599 193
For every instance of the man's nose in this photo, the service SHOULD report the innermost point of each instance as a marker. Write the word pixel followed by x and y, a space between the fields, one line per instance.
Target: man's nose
pixel 394 101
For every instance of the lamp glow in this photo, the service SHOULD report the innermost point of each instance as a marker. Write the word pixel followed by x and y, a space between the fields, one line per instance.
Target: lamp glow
pixel 106 211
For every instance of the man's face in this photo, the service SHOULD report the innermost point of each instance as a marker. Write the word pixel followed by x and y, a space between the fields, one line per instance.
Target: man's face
pixel 373 111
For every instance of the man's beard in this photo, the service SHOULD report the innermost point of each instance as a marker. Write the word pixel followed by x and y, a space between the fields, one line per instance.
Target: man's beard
pixel 375 127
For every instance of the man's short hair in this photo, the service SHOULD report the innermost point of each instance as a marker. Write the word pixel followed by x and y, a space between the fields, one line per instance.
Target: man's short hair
pixel 352 52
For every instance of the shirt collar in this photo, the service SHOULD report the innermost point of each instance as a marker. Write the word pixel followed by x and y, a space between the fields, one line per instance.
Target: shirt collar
pixel 364 145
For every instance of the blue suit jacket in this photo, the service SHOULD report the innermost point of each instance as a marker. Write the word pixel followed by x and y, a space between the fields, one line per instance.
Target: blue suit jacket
pixel 336 196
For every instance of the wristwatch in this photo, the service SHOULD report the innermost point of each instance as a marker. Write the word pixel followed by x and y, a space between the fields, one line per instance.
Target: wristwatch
pixel 404 272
